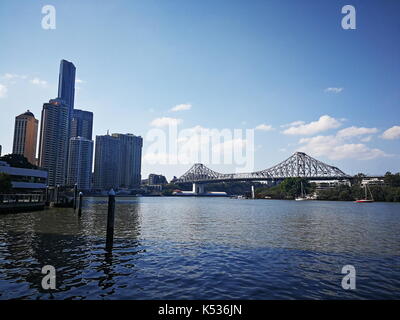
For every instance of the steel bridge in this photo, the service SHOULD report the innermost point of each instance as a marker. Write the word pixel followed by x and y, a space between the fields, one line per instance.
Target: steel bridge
pixel 298 165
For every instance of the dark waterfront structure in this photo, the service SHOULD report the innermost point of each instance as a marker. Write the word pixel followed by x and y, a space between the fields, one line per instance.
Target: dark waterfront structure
pixel 25 136
pixel 82 124
pixel 54 139
pixel 157 179
pixel 66 83
pixel 25 180
pixel 118 160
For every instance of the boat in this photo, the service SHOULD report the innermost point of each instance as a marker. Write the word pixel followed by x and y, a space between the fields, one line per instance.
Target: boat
pixel 303 196
pixel 366 199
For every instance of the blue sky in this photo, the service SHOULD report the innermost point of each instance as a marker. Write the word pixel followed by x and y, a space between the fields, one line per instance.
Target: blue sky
pixel 239 64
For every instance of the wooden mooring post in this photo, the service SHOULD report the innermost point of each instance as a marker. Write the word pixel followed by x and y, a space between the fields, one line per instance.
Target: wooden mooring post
pixel 110 220
pixel 80 203
pixel 75 195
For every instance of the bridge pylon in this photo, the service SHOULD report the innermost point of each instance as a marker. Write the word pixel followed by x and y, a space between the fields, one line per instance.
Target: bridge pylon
pixel 198 188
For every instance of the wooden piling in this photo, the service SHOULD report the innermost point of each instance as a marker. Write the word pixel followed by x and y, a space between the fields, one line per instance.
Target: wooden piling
pixel 110 220
pixel 75 195
pixel 80 203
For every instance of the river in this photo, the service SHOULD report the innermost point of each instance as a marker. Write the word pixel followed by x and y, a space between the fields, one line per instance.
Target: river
pixel 204 248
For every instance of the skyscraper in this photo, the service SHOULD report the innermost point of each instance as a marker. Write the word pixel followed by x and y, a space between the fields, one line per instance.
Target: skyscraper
pixel 118 160
pixel 66 84
pixel 130 161
pixel 106 162
pixel 25 136
pixel 54 140
pixel 82 124
pixel 80 162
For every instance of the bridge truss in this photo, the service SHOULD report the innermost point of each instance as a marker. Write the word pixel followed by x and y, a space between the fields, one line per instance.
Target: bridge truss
pixel 298 165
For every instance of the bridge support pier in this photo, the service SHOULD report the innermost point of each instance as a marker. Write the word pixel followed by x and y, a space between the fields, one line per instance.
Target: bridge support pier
pixel 198 188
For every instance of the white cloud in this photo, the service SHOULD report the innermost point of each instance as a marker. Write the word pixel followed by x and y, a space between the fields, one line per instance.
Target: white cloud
pixel 39 82
pixel 334 90
pixel 264 127
pixel 3 91
pixel 165 122
pixel 324 123
pixel 77 80
pixel 293 124
pixel 181 107
pixel 11 76
pixel 356 131
pixel 366 139
pixel 391 133
pixel 160 158
pixel 229 146
pixel 335 148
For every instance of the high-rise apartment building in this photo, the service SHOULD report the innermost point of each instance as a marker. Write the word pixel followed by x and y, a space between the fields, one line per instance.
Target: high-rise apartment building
pixel 82 124
pixel 130 160
pixel 25 136
pixel 157 179
pixel 118 160
pixel 80 163
pixel 54 140
pixel 106 162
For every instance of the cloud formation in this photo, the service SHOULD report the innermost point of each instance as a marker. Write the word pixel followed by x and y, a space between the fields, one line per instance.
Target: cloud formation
pixel 165 122
pixel 391 133
pixel 39 82
pixel 181 107
pixel 337 147
pixel 3 91
pixel 11 76
pixel 324 123
pixel 334 90
pixel 264 127
pixel 356 131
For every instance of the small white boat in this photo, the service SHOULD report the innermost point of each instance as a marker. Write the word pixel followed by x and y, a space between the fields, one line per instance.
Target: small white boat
pixel 303 196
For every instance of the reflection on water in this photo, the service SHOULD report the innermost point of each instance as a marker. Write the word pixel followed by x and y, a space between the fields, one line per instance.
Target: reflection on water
pixel 202 248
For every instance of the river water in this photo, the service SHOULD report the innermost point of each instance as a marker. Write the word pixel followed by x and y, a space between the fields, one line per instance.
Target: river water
pixel 204 248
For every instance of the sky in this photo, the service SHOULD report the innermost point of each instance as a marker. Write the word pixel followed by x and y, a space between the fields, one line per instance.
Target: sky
pixel 285 69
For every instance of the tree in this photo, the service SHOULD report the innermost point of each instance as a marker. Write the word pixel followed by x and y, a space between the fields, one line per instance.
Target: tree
pixel 358 178
pixel 5 183
pixel 17 161
pixel 392 180
pixel 292 186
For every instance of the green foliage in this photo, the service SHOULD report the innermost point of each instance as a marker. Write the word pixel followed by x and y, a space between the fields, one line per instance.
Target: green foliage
pixel 392 180
pixel 341 193
pixel 169 188
pixel 17 161
pixel 288 189
pixel 5 183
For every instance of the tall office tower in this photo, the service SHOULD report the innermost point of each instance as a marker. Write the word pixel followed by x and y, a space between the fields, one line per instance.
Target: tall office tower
pixel 25 136
pixel 66 84
pixel 130 160
pixel 54 140
pixel 82 124
pixel 106 162
pixel 80 163
pixel 118 160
